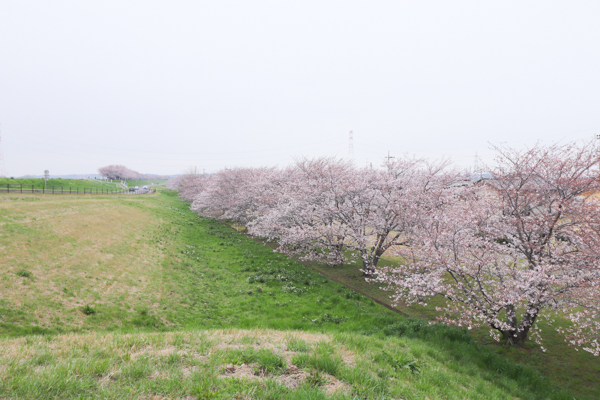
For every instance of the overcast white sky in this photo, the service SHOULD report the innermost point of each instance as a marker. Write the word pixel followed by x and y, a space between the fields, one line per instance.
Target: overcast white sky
pixel 160 86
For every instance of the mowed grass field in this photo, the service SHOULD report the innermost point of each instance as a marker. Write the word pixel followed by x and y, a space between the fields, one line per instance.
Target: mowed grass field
pixel 62 253
pixel 137 297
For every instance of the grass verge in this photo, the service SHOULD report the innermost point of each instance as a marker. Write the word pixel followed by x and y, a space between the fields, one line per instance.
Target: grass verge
pixel 254 364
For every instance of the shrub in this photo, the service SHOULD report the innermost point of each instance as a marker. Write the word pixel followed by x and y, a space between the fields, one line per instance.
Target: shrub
pixel 418 328
pixel 243 356
pixel 365 385
pixel 316 379
pixel 24 274
pixel 399 361
pixel 334 319
pixel 88 310
pixel 269 361
pixel 298 345
pixel 320 362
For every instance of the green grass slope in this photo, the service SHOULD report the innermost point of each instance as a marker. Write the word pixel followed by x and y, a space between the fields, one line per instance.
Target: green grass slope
pixel 100 275
pixel 143 182
pixel 255 364
pixel 578 371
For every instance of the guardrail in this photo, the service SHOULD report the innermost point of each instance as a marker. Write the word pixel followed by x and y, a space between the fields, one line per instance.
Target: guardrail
pixel 66 190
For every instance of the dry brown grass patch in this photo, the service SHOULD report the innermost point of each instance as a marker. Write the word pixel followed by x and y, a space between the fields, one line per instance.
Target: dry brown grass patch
pixel 80 250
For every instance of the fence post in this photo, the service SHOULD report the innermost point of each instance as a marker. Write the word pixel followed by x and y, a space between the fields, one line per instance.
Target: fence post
pixel 21 188
pixel 8 187
pixel 31 188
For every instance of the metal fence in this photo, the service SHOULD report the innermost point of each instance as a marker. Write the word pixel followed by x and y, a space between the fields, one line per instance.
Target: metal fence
pixel 67 190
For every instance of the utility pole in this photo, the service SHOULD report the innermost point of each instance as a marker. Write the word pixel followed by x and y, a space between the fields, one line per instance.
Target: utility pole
pixel 389 157
pixel 351 146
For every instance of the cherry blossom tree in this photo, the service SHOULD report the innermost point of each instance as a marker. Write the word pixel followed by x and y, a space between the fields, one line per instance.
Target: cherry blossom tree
pixel 191 186
pixel 237 194
pixel 330 211
pixel 381 209
pixel 120 172
pixel 174 183
pixel 299 215
pixel 506 252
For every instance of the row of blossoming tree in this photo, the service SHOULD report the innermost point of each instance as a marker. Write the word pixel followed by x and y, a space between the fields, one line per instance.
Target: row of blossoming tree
pixel 502 252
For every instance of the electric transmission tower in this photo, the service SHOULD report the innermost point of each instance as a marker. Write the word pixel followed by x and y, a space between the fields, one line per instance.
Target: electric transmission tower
pixel 3 173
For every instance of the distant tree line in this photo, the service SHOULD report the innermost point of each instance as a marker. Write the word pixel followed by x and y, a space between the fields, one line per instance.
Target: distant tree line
pixel 121 172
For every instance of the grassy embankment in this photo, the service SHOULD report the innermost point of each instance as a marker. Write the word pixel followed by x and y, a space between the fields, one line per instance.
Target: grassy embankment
pixel 57 183
pixel 578 371
pixel 104 184
pixel 96 275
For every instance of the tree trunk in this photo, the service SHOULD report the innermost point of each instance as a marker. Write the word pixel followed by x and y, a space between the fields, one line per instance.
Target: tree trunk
pixel 513 337
pixel 339 252
pixel 377 256
pixel 517 334
pixel 368 267
pixel 370 260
